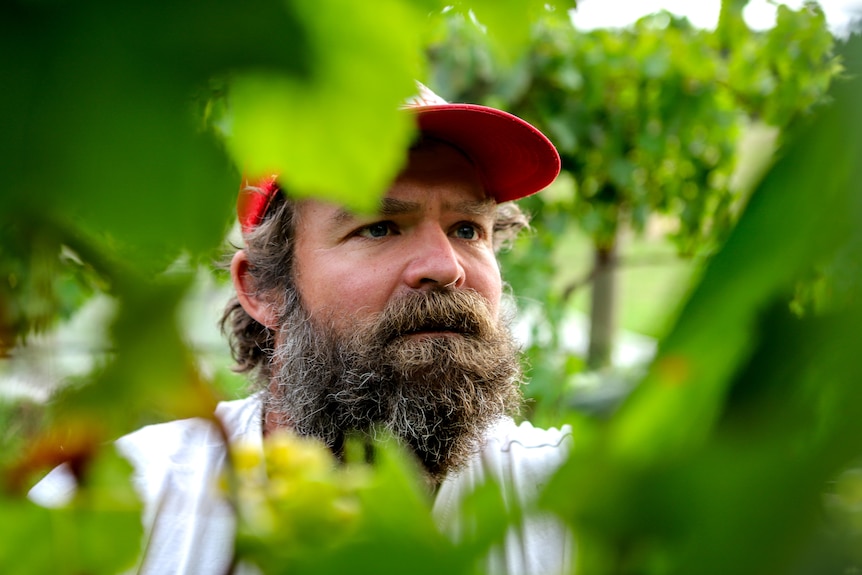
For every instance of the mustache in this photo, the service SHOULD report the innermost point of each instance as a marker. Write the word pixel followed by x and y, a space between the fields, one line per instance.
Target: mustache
pixel 464 312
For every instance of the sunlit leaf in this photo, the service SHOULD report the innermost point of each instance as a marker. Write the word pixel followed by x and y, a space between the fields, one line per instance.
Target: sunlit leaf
pixel 339 134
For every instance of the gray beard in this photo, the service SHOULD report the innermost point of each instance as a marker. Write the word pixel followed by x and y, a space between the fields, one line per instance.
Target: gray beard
pixel 438 395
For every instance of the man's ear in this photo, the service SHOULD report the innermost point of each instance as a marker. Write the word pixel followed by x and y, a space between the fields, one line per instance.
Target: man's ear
pixel 259 309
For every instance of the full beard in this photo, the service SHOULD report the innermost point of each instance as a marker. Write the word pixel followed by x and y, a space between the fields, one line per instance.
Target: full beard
pixel 434 369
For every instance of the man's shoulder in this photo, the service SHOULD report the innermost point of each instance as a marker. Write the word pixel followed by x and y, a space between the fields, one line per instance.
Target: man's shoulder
pixel 179 448
pixel 234 421
pixel 190 450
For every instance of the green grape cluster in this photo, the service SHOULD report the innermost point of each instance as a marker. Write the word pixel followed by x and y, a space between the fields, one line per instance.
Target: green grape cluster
pixel 294 500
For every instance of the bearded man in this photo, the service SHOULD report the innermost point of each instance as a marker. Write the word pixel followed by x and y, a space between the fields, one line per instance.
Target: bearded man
pixel 351 324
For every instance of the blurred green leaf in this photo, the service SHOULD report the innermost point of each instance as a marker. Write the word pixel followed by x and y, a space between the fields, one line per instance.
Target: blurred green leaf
pixel 717 463
pixel 345 115
pixel 151 373
pixel 99 532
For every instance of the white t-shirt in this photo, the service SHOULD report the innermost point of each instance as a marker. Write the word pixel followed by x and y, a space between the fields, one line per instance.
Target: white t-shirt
pixel 191 527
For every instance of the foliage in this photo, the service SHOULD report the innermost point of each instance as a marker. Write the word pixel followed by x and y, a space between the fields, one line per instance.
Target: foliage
pixel 647 119
pixel 72 539
pixel 716 463
pixel 302 513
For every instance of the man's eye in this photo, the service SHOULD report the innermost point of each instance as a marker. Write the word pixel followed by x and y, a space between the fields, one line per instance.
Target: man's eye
pixel 467 231
pixel 376 230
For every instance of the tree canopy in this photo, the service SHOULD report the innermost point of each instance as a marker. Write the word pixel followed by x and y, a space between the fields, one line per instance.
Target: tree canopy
pixel 648 121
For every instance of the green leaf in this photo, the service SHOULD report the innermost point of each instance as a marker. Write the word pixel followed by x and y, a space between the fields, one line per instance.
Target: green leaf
pixel 337 135
pixel 100 532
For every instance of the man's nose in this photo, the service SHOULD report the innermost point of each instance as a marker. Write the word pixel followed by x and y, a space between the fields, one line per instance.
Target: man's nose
pixel 434 261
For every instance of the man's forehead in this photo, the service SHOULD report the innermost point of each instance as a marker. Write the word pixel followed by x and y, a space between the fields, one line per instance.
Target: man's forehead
pixel 436 176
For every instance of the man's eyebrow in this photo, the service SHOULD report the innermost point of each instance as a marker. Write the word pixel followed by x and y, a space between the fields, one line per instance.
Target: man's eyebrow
pixel 388 207
pixel 395 207
pixel 477 208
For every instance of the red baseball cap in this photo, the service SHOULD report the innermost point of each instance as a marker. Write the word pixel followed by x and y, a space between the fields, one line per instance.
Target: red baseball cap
pixel 513 157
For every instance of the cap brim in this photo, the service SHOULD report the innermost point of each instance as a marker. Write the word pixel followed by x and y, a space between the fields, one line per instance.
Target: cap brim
pixel 514 159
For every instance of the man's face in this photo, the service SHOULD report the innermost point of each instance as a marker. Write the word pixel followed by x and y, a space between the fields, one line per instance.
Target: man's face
pixel 399 324
pixel 435 230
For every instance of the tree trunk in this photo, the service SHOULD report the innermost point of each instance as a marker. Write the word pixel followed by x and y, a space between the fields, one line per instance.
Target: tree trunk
pixel 603 308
